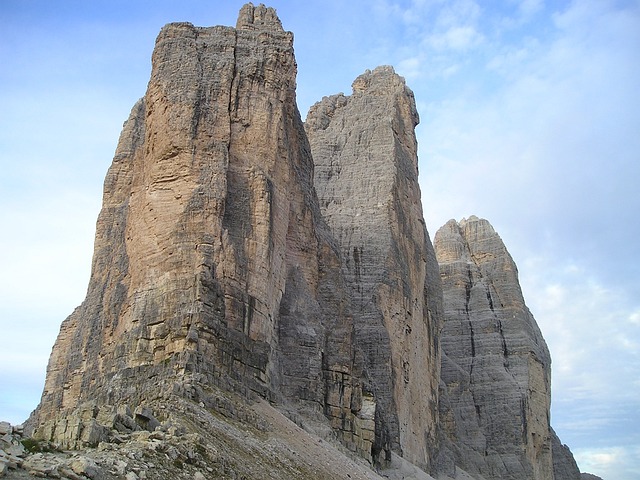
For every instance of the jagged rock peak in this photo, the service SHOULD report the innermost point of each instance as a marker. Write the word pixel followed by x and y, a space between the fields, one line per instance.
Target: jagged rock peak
pixel 212 264
pixel 383 80
pixel 495 364
pixel 475 239
pixel 259 18
pixel 366 176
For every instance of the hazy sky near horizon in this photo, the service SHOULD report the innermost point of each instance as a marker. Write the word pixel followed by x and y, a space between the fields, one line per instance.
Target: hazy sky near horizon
pixel 530 118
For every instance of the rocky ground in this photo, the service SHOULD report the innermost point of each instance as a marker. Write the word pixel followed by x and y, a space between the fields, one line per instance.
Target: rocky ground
pixel 194 442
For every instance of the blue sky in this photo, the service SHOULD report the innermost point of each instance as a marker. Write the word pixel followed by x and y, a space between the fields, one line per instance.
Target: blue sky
pixel 530 117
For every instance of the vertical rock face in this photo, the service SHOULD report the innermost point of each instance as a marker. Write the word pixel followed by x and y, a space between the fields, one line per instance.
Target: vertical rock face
pixel 366 177
pixel 211 257
pixel 220 272
pixel 495 363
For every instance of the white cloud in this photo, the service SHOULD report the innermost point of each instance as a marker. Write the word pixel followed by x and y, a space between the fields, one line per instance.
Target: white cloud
pixel 460 37
pixel 45 265
pixel 559 112
pixel 583 321
pixel 429 34
pixel 543 143
pixel 65 225
pixel 455 27
pixel 507 59
pixel 517 13
pixel 459 12
pixel 410 67
pixel 594 342
pixel 527 8
pixel 618 462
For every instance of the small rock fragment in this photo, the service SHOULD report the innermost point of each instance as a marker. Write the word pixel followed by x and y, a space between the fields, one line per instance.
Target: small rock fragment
pixel 87 467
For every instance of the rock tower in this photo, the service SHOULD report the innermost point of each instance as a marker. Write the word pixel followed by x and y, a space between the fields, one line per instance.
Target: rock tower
pixel 366 175
pixel 496 367
pixel 243 256
pixel 211 256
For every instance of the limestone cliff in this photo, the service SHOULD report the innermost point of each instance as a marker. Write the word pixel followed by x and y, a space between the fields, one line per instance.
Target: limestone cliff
pixel 366 176
pixel 211 256
pixel 495 364
pixel 232 267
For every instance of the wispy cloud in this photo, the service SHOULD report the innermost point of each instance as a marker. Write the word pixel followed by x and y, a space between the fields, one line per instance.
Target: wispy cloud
pixel 461 37
pixel 527 8
pixel 560 111
pixel 540 140
pixel 584 322
pixel 618 462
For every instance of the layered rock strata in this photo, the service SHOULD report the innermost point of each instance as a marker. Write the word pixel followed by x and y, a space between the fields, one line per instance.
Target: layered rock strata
pixel 495 363
pixel 211 257
pixel 221 274
pixel 366 176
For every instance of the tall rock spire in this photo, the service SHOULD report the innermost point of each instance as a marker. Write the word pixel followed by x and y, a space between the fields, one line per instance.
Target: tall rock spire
pixel 211 257
pixel 495 364
pixel 366 175
pixel 231 265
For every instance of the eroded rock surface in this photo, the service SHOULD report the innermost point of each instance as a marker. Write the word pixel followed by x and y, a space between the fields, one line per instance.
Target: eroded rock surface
pixel 366 176
pixel 211 256
pixel 223 279
pixel 495 363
